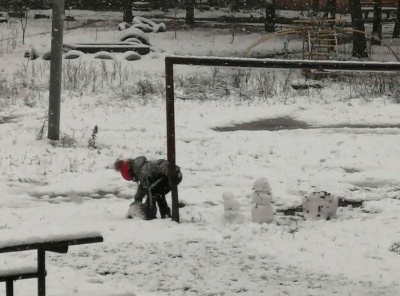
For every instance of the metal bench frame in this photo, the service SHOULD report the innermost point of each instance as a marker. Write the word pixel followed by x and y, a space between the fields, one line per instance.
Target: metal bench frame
pixel 60 246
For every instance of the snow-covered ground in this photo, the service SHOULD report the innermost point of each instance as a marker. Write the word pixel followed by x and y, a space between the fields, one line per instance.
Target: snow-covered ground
pixel 65 186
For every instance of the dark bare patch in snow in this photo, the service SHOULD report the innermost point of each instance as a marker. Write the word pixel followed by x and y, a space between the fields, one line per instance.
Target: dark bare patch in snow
pixel 7 119
pixel 288 123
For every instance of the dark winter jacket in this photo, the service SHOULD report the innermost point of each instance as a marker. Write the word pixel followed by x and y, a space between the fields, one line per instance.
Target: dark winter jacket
pixel 146 172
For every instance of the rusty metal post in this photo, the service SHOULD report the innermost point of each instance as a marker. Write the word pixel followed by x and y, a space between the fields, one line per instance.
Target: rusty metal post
pixel 56 70
pixel 170 109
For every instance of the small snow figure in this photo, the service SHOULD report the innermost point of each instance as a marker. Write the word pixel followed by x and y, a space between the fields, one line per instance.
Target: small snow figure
pixel 231 209
pixel 320 205
pixel 262 211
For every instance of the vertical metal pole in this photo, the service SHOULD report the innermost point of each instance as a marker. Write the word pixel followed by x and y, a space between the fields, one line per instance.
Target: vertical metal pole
pixel 170 108
pixel 41 272
pixel 9 288
pixel 56 70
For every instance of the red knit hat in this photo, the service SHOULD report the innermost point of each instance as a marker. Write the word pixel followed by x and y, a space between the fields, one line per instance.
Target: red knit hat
pixel 125 171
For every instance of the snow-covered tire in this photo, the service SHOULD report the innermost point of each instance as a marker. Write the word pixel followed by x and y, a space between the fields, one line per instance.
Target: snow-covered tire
pixel 73 54
pixel 104 55
pixel 31 54
pixel 131 56
pixel 161 27
pixel 133 40
pixel 143 20
pixel 143 27
pixel 135 33
pixel 47 56
pixel 123 26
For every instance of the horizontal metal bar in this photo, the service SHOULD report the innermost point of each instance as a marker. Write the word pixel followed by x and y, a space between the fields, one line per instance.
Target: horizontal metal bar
pixel 52 245
pixel 282 64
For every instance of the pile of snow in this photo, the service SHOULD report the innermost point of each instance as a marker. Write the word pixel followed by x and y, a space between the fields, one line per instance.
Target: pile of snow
pixel 320 205
pixel 262 211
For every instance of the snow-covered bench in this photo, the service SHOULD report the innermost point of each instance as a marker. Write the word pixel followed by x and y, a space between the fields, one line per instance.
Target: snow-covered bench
pixel 58 243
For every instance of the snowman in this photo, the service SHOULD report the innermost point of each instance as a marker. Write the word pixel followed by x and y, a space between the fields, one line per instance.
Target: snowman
pixel 262 211
pixel 320 205
pixel 232 212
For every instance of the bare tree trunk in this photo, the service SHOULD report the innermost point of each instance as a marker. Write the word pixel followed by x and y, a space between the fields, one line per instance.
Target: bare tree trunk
pixel 189 5
pixel 330 9
pixel 128 15
pixel 377 24
pixel 396 30
pixel 270 16
pixel 164 6
pixel 359 40
pixel 314 7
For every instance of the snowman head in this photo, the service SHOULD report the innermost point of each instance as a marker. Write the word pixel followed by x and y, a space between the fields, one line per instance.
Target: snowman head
pixel 262 185
pixel 230 202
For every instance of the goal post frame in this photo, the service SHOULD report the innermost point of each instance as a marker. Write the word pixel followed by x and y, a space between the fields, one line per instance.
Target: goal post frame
pixel 172 60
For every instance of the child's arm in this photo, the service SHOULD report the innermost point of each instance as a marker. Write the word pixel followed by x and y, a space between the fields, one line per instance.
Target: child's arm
pixel 140 193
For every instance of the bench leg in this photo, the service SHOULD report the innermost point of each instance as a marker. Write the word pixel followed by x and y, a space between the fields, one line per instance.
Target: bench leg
pixel 41 272
pixel 10 288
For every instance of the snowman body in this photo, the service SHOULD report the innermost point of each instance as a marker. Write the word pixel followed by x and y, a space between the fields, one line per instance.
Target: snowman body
pixel 263 210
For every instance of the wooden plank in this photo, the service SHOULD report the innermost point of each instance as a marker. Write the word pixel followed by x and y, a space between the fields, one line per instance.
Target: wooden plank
pixel 51 245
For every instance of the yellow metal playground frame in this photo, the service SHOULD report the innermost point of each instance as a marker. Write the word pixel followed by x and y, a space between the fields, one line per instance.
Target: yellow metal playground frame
pixel 308 25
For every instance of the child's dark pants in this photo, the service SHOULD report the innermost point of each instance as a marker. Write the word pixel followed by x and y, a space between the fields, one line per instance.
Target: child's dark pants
pixel 158 192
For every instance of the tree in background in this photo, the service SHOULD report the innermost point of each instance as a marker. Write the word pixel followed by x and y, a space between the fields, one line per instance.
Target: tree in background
pixel 330 11
pixel 270 16
pixel 396 30
pixel 377 23
pixel 359 40
pixel 128 14
pixel 189 6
